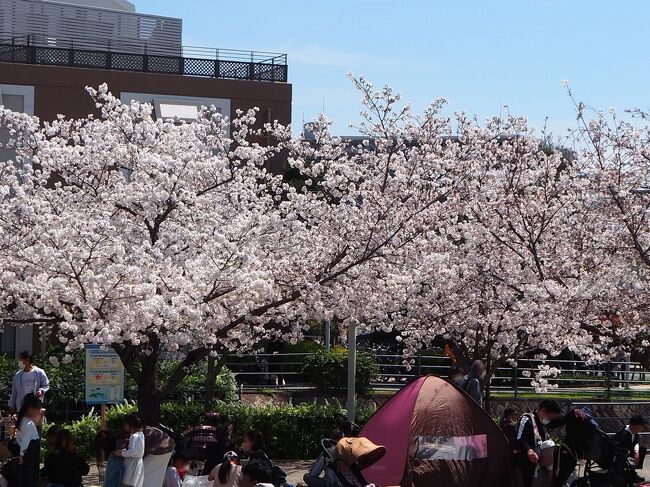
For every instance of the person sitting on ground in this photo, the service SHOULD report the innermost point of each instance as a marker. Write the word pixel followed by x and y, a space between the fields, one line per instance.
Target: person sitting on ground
pixel 256 474
pixel 228 473
pixel 179 463
pixel 628 438
pixel 472 383
pixel 65 466
pixel 508 425
pixel 253 446
pixel 50 437
pixel 531 432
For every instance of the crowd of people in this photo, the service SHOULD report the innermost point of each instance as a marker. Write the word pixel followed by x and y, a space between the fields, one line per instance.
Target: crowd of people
pixel 126 457
pixel 131 458
pixel 534 453
pixel 142 456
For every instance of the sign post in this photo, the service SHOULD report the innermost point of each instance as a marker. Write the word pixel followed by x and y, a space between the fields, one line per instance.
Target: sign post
pixel 104 377
pixel 104 383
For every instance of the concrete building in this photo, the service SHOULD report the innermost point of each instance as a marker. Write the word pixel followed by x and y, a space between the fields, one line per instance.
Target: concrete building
pixel 50 51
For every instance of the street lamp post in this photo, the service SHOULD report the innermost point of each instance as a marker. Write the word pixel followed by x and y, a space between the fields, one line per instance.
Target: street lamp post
pixel 352 368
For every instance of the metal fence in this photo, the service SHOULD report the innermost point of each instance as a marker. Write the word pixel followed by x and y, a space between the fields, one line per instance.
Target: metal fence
pixel 261 371
pixel 112 55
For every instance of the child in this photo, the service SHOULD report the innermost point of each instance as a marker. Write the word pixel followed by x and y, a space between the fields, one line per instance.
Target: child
pixel 29 441
pixel 105 445
pixel 179 464
pixel 256 474
pixel 64 466
pixel 133 453
pixel 229 473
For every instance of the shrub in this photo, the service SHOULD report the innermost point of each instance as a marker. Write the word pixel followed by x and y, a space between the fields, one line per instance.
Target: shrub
pixel 329 370
pixel 291 431
pixel 84 432
pixel 8 368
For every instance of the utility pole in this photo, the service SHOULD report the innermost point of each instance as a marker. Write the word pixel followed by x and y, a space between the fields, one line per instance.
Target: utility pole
pixel 328 336
pixel 352 369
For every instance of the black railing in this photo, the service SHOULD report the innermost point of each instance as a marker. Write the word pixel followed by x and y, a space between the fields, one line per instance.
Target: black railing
pixel 144 58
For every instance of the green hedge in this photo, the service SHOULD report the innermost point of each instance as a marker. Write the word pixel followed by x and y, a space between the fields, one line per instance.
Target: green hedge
pixel 292 432
pixel 329 370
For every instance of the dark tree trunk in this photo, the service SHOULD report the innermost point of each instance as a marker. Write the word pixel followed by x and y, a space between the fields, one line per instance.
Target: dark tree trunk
pixel 214 368
pixel 142 366
pixel 149 404
pixel 150 396
pixel 210 383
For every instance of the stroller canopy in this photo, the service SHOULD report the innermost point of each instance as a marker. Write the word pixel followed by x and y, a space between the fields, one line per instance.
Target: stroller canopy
pixel 435 434
pixel 361 451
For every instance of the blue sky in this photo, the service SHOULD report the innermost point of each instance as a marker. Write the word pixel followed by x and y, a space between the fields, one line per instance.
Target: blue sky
pixel 478 55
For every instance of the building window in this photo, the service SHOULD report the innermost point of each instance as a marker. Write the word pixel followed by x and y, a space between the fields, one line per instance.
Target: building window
pixel 187 111
pixel 185 108
pixel 17 98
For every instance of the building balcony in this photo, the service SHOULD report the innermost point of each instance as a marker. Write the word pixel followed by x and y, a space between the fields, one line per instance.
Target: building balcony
pixel 113 55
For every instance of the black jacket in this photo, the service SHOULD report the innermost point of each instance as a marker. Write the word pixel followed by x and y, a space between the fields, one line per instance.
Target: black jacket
pixel 525 439
pixel 627 440
pixel 580 433
pixel 65 468
pixel 509 430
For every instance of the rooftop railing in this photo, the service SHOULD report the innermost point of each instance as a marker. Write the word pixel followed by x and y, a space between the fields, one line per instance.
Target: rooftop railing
pixel 143 57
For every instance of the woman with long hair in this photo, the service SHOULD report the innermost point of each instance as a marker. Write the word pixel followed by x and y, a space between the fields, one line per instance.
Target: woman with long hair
pixel 29 441
pixel 228 474
pixel 65 467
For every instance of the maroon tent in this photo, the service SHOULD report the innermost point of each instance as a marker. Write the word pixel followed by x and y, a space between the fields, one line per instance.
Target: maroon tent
pixel 435 434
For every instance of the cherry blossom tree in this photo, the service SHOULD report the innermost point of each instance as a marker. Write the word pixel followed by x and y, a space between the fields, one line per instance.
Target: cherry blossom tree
pixel 617 154
pixel 157 237
pixel 520 272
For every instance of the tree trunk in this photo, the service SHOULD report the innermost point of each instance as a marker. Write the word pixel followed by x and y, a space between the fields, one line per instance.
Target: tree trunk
pixel 214 369
pixel 149 404
pixel 150 396
pixel 143 369
pixel 210 383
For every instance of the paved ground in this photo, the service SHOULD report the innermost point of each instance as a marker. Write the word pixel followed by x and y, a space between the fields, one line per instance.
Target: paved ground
pixel 295 470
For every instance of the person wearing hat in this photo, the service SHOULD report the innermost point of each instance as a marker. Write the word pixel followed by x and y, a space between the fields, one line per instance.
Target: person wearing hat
pixel 628 438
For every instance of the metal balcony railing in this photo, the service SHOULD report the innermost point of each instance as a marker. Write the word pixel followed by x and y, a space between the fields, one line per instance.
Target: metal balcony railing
pixel 143 57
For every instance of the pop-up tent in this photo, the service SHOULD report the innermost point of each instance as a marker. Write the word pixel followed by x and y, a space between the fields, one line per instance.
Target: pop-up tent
pixel 435 434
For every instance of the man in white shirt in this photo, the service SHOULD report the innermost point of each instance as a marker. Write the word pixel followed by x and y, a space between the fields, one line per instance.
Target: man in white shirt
pixel 28 380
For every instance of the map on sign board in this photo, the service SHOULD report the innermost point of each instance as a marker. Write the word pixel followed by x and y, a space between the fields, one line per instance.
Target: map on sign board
pixel 104 376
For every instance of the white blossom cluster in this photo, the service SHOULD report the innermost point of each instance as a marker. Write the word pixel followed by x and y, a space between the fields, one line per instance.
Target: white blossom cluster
pixel 158 235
